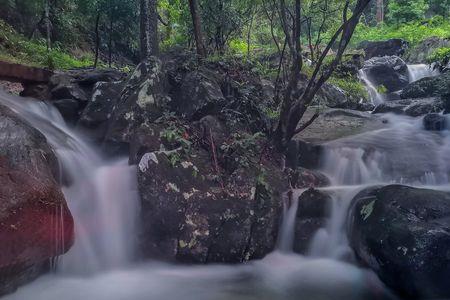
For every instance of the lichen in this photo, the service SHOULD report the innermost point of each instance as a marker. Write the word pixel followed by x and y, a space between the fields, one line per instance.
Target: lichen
pixel 367 210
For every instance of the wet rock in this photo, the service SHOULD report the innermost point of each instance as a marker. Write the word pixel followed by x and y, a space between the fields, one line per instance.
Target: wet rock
pixel 390 47
pixel 302 178
pixel 188 217
pixel 333 124
pixel 435 122
pixel 420 53
pixel 411 107
pixel 428 87
pixel 403 234
pixel 143 100
pixel 199 95
pixel 71 91
pixel 69 109
pixel 35 90
pixel 96 115
pixel 388 72
pixel 303 154
pixel 92 77
pixel 32 206
pixel 312 214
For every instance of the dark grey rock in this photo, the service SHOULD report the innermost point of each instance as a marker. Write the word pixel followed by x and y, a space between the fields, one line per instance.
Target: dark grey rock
pixel 403 234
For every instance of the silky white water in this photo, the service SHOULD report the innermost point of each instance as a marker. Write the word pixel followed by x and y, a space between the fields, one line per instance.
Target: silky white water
pixel 415 73
pixel 102 197
pixel 419 71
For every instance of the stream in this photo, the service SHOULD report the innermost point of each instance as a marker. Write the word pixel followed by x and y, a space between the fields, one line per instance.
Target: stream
pixel 102 196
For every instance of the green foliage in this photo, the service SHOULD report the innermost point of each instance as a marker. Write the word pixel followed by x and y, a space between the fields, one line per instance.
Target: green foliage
pixel 351 86
pixel 413 32
pixel 243 147
pixel 16 48
pixel 401 11
pixel 440 56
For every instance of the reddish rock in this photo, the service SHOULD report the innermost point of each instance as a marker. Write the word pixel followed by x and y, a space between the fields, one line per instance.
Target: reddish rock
pixel 35 223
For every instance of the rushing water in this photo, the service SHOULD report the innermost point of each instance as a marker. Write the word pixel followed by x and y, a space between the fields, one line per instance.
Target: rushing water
pixel 415 72
pixel 102 197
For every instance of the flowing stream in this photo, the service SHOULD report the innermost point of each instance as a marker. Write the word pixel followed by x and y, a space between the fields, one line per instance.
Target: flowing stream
pixel 102 196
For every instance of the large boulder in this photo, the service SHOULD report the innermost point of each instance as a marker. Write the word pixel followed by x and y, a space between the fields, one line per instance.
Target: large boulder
pixel 35 223
pixel 95 117
pixel 75 85
pixel 198 96
pixel 411 107
pixel 420 53
pixel 190 215
pixel 397 47
pixel 388 72
pixel 143 100
pixel 403 234
pixel 428 87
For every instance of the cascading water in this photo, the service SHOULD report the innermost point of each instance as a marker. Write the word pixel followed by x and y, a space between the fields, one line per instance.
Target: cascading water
pixel 419 71
pixel 375 96
pixel 103 199
pixel 101 195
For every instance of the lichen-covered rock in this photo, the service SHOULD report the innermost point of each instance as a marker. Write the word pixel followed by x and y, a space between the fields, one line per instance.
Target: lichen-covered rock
pixel 143 100
pixel 403 234
pixel 35 223
pixel 96 115
pixel 192 214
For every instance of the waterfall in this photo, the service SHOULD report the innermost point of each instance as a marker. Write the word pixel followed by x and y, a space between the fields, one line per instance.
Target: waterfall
pixel 419 71
pixel 102 194
pixel 375 96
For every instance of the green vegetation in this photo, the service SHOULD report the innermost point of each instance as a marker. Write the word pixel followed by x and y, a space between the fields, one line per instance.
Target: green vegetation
pixel 413 32
pixel 440 56
pixel 14 47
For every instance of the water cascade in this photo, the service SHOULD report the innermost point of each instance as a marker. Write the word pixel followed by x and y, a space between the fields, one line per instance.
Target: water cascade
pixel 419 71
pixel 102 197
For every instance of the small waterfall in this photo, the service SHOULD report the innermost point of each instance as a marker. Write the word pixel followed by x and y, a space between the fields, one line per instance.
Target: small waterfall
pixel 102 195
pixel 375 96
pixel 419 71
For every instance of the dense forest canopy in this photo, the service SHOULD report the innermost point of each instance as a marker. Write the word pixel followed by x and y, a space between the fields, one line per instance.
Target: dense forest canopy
pixel 231 26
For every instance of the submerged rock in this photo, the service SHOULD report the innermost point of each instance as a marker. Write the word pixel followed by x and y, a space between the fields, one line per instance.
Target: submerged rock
pixel 389 73
pixel 313 211
pixel 435 122
pixel 35 223
pixel 397 47
pixel 403 234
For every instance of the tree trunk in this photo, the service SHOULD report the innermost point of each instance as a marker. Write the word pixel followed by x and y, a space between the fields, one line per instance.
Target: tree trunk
pixel 198 32
pixel 97 39
pixel 380 11
pixel 110 37
pixel 153 27
pixel 48 25
pixel 148 28
pixel 295 104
